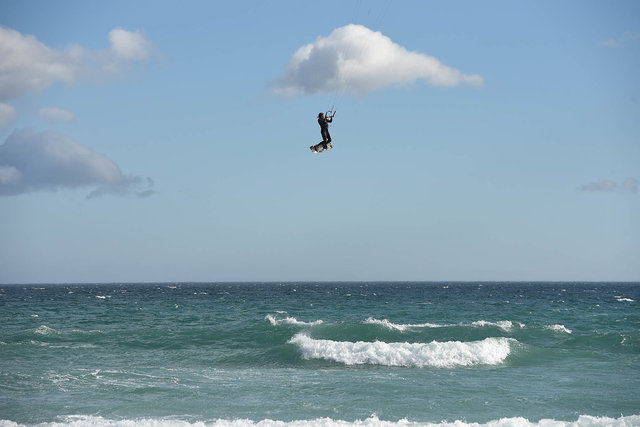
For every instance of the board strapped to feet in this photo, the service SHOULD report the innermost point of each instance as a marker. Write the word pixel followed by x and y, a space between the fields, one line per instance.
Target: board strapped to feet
pixel 320 147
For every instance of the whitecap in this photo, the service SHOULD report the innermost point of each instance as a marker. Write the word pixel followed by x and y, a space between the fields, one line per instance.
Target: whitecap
pixel 290 321
pixel 559 328
pixel 399 327
pixel 372 421
pixel 623 299
pixel 490 351
pixel 45 330
pixel 505 325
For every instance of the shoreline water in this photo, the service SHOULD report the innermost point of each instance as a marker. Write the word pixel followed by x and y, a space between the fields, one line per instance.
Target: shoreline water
pixel 372 421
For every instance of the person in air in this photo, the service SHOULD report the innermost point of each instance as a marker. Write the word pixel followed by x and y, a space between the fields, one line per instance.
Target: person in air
pixel 324 128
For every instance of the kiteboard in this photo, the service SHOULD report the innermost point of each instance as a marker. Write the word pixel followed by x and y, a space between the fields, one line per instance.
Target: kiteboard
pixel 320 147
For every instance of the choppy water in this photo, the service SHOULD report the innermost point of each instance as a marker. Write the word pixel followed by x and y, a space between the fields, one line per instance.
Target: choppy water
pixel 320 354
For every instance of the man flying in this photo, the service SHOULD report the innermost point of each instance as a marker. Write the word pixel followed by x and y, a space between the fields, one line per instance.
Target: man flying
pixel 324 128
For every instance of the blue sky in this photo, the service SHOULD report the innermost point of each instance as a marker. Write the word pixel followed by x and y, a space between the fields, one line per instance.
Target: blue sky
pixel 473 141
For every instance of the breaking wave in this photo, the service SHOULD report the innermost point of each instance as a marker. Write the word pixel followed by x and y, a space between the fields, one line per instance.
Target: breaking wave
pixel 490 351
pixel 400 327
pixel 290 321
pixel 559 328
pixel 505 325
pixel 45 330
pixel 372 421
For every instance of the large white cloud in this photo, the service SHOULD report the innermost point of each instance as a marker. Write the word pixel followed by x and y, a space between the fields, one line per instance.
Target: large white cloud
pixel 28 65
pixel 355 59
pixel 33 161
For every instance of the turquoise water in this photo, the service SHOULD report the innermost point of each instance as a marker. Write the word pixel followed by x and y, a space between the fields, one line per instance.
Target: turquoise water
pixel 320 353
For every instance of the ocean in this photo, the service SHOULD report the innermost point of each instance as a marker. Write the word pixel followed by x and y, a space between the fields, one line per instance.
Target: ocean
pixel 320 354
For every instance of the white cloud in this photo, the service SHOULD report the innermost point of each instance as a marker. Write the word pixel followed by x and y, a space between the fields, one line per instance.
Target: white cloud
pixel 55 115
pixel 27 65
pixel 7 115
pixel 629 185
pixel 129 45
pixel 35 161
pixel 358 60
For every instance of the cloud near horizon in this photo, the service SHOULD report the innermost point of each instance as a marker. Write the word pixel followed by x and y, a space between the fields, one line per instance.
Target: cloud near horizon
pixel 354 59
pixel 28 65
pixel 47 161
pixel 629 185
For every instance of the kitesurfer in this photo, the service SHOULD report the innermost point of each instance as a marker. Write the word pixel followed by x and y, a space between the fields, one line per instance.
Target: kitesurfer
pixel 324 128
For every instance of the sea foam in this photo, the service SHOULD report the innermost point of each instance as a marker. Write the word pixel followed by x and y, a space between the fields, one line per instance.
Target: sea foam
pixel 290 321
pixel 372 421
pixel 45 330
pixel 559 328
pixel 400 327
pixel 505 325
pixel 490 351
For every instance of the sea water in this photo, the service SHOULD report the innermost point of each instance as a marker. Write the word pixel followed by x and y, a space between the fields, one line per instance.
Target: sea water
pixel 289 354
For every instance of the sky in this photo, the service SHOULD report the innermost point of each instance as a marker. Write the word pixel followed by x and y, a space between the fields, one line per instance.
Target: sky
pixel 169 141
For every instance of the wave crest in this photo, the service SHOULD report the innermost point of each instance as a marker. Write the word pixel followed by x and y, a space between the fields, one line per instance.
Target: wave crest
pixel 399 327
pixel 290 321
pixel 559 328
pixel 372 421
pixel 45 330
pixel 505 325
pixel 490 351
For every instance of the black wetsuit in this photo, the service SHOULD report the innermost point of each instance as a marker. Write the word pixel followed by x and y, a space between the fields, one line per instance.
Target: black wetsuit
pixel 324 128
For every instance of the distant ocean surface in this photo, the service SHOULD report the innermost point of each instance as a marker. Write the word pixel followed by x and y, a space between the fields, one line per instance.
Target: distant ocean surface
pixel 320 354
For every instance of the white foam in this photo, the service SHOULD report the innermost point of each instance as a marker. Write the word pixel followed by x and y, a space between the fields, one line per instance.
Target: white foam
pixel 290 321
pixel 400 327
pixel 490 351
pixel 558 328
pixel 623 299
pixel 505 325
pixel 45 330
pixel 372 421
